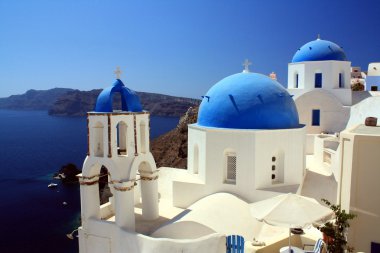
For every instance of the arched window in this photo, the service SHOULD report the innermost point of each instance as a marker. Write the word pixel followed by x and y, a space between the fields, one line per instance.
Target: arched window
pixel 230 167
pixel 98 145
pixel 142 137
pixel 105 195
pixel 122 130
pixel 196 160
pixel 296 80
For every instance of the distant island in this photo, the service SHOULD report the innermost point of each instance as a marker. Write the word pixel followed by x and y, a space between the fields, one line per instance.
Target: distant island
pixel 70 102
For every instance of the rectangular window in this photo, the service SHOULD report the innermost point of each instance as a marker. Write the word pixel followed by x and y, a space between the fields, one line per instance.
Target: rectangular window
pixel 318 80
pixel 231 168
pixel 296 80
pixel 373 88
pixel 316 118
pixel 341 85
pixel 375 247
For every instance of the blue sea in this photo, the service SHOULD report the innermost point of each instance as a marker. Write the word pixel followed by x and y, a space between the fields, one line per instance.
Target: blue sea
pixel 33 146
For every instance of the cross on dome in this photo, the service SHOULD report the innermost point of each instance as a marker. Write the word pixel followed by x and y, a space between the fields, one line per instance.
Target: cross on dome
pixel 118 72
pixel 246 64
pixel 318 36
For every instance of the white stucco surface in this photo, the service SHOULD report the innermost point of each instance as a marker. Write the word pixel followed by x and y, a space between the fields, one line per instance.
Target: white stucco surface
pixel 369 107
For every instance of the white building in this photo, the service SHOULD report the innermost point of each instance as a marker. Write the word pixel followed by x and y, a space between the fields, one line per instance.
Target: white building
pixel 119 141
pixel 319 78
pixel 372 81
pixel 360 186
pixel 247 141
pixel 248 145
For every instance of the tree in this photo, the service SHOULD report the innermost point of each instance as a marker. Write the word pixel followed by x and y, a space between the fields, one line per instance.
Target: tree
pixel 336 230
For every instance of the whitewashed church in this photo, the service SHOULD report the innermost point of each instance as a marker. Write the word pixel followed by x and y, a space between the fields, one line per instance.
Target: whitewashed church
pixel 254 139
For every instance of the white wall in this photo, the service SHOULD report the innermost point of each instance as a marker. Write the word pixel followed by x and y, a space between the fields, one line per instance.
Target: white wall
pixel 374 69
pixel 333 115
pixel 254 151
pixel 330 78
pixel 360 187
pixel 110 238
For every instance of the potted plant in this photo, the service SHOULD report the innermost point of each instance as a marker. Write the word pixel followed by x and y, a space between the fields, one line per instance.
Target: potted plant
pixel 334 232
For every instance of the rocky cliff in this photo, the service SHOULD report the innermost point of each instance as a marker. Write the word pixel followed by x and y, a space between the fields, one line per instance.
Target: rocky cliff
pixel 170 149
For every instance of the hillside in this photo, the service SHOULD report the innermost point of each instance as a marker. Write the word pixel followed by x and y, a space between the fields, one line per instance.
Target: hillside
pixel 33 99
pixel 170 149
pixel 78 103
pixel 69 102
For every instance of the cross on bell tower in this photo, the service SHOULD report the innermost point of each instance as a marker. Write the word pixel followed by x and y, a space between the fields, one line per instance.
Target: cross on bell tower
pixel 118 72
pixel 246 64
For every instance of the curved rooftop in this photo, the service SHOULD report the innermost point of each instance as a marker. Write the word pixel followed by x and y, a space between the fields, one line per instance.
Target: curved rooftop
pixel 248 101
pixel 129 99
pixel 319 50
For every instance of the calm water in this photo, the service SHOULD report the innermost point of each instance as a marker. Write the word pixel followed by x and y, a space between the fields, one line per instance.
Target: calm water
pixel 33 145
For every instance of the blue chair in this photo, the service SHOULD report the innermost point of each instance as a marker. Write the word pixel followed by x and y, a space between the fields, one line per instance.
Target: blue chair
pixel 235 244
pixel 317 247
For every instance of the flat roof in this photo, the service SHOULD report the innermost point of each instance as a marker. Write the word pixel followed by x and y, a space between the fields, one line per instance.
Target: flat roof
pixel 366 130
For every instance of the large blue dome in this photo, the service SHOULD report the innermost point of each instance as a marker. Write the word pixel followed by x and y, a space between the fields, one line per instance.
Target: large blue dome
pixel 248 101
pixel 129 99
pixel 319 50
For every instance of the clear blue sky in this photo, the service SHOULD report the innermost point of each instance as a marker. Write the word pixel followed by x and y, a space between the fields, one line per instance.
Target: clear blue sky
pixel 170 46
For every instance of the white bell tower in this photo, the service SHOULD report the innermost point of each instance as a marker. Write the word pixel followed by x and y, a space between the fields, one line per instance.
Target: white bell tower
pixel 119 141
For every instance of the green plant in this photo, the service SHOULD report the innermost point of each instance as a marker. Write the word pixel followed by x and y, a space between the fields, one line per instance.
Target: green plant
pixel 336 230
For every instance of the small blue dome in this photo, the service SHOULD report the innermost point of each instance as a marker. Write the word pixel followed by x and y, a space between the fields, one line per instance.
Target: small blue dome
pixel 319 50
pixel 248 101
pixel 129 99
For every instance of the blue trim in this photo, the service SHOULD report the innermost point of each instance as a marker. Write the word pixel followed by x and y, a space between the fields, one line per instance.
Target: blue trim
pixel 318 80
pixel 316 117
pixel 129 99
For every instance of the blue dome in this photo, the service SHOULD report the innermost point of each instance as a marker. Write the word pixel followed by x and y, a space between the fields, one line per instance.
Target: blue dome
pixel 319 50
pixel 129 99
pixel 248 101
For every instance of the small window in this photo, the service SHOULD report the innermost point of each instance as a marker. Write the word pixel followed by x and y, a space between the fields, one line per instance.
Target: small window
pixel 373 88
pixel 318 80
pixel 273 167
pixel 341 85
pixel 273 176
pixel 316 118
pixel 231 168
pixel 296 81
pixel 273 158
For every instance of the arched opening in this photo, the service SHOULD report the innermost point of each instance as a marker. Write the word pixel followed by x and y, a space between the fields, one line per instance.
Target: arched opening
pixel 104 190
pixel 121 141
pixel 98 145
pixel 142 137
pixel 106 207
pixel 196 160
